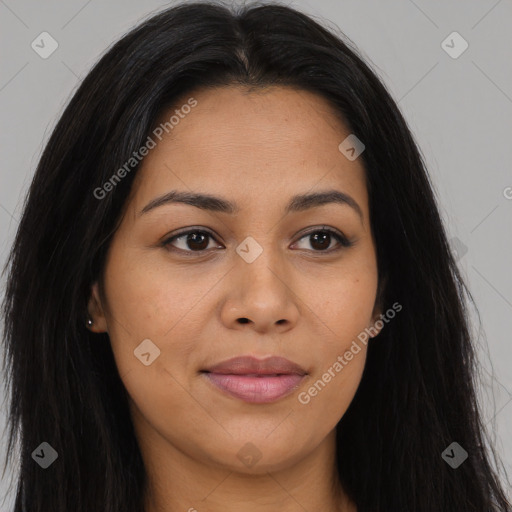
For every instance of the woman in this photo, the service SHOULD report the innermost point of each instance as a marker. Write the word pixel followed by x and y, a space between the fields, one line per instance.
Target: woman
pixel 231 287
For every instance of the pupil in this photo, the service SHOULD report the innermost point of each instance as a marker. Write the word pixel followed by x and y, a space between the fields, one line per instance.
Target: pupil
pixel 325 236
pixel 193 238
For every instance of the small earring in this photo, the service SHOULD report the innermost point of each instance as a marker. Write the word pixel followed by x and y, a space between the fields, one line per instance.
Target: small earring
pixel 89 322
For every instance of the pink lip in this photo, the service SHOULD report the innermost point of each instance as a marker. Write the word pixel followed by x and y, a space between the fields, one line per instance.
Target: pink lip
pixel 256 380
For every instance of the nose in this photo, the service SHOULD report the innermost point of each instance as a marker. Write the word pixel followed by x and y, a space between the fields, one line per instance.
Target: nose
pixel 260 297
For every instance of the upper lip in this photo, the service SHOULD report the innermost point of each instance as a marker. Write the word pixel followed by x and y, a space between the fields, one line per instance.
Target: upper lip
pixel 244 365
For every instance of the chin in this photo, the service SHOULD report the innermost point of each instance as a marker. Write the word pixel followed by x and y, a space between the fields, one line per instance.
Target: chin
pixel 258 455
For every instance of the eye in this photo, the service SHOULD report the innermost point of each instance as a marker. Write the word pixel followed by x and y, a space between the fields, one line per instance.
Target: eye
pixel 194 240
pixel 197 240
pixel 321 239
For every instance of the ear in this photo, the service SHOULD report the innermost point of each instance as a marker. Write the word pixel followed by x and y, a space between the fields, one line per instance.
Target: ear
pixel 377 309
pixel 375 327
pixel 96 311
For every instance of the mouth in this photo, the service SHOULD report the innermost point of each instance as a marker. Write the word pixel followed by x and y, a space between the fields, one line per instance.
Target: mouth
pixel 255 380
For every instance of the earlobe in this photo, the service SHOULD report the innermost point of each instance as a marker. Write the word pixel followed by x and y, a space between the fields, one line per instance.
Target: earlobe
pixel 377 322
pixel 96 321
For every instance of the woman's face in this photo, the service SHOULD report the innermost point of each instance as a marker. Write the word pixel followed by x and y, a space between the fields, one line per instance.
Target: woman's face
pixel 259 279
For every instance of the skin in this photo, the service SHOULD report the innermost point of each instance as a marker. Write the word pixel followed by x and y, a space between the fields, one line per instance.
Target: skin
pixel 303 301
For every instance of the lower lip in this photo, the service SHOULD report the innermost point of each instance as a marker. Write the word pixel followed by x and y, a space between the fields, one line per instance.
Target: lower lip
pixel 258 390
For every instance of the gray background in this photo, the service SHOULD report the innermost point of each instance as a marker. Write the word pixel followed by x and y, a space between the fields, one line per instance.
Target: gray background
pixel 458 109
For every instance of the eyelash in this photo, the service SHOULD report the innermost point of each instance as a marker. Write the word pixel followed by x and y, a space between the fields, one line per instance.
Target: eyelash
pixel 341 239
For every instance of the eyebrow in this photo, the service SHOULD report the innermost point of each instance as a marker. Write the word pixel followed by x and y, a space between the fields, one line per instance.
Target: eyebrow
pixel 298 203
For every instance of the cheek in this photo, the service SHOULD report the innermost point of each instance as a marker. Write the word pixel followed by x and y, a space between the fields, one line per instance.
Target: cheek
pixel 344 305
pixel 160 402
pixel 341 349
pixel 148 301
pixel 343 295
pixel 335 385
pixel 331 388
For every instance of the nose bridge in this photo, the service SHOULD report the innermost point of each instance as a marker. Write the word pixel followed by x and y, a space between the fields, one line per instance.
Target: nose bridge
pixel 259 264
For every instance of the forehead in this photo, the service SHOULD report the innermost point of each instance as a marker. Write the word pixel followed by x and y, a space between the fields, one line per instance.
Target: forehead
pixel 250 146
pixel 273 118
